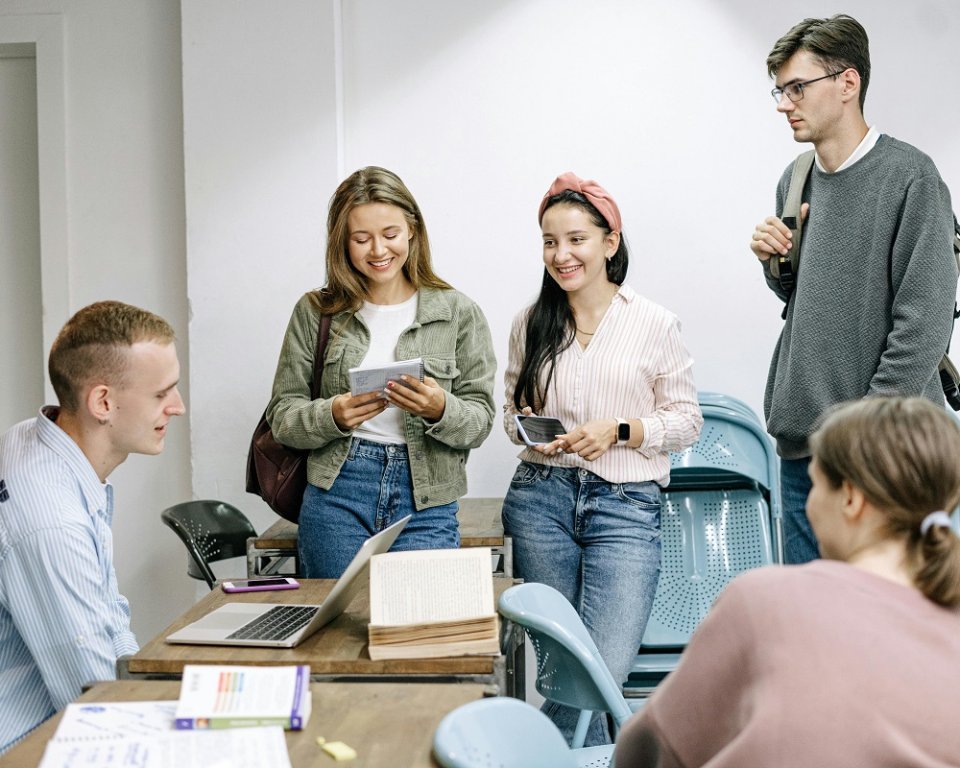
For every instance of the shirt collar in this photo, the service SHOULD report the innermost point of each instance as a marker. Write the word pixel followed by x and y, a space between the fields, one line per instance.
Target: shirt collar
pixel 868 143
pixel 98 495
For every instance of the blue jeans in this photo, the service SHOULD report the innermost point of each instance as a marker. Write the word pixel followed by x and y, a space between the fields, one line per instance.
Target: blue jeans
pixel 799 542
pixel 372 491
pixel 597 543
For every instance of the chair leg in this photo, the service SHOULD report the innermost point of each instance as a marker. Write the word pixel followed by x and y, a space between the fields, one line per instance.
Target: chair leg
pixel 580 734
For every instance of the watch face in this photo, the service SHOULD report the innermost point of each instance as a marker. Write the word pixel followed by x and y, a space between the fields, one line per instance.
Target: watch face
pixel 623 431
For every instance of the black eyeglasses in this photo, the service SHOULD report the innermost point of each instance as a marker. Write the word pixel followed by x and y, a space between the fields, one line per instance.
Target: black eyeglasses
pixel 794 91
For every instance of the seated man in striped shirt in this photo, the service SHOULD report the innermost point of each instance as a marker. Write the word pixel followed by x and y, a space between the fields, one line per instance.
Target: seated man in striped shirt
pixel 63 621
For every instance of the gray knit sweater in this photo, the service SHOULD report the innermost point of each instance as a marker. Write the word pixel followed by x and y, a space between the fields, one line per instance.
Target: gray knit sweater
pixel 871 314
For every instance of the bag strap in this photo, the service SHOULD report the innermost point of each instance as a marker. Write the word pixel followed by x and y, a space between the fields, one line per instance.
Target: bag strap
pixel 323 333
pixel 785 268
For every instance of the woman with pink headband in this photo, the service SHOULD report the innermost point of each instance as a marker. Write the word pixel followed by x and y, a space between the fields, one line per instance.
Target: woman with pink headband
pixel 849 660
pixel 584 508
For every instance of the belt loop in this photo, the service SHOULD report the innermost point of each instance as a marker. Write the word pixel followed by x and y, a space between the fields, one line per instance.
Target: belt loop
pixel 354 447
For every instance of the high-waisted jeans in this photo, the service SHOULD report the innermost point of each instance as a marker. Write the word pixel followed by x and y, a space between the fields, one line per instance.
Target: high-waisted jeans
pixel 598 543
pixel 372 491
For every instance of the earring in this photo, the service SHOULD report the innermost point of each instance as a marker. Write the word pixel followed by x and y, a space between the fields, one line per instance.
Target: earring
pixel 102 422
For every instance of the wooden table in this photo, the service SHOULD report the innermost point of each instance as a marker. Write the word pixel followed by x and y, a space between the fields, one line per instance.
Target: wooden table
pixel 337 652
pixel 480 526
pixel 388 724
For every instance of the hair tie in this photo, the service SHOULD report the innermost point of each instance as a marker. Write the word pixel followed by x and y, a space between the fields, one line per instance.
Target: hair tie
pixel 940 519
pixel 597 195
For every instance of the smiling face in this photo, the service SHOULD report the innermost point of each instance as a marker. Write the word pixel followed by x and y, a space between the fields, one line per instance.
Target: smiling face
pixel 575 249
pixel 141 408
pixel 379 245
pixel 817 116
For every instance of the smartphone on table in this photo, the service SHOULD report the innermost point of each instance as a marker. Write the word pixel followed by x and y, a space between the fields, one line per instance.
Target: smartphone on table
pixel 261 584
pixel 538 430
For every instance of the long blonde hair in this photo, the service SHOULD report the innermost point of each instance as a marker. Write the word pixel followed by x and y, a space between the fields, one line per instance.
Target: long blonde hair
pixel 346 288
pixel 904 455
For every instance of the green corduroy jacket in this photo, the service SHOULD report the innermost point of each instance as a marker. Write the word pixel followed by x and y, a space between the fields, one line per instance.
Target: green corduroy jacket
pixel 450 333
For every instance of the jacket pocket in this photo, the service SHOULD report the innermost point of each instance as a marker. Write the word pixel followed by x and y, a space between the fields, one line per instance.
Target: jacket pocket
pixel 443 369
pixel 335 379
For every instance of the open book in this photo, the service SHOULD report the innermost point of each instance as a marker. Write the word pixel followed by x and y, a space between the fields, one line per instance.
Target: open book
pixel 432 603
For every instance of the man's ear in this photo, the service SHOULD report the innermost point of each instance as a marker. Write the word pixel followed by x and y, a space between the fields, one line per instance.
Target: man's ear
pixel 850 85
pixel 99 402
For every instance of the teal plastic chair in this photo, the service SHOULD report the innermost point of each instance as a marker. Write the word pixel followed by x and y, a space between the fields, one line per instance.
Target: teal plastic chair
pixel 507 733
pixel 570 670
pixel 720 516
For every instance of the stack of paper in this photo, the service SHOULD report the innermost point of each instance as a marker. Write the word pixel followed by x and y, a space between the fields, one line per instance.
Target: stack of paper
pixel 140 734
pixel 432 603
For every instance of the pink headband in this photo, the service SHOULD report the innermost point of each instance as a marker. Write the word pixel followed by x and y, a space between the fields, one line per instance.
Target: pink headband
pixel 596 194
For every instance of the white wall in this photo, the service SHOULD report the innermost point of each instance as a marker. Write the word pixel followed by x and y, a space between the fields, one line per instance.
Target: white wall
pixel 477 106
pixel 125 233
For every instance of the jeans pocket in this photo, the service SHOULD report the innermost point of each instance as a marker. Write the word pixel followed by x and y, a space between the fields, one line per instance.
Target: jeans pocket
pixel 526 474
pixel 643 495
pixel 643 501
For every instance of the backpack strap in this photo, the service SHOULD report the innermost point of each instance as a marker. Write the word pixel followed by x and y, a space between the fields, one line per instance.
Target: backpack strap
pixel 785 268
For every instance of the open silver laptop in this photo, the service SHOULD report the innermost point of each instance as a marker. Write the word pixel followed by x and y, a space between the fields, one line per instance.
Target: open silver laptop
pixel 284 625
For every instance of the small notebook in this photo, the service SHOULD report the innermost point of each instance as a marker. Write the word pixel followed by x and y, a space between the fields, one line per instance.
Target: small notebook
pixel 364 380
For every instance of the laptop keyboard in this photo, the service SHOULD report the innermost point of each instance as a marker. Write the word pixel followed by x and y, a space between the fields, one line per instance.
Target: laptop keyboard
pixel 278 623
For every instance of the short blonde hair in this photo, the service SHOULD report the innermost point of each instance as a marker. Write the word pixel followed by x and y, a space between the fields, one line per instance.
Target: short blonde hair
pixel 93 344
pixel 904 455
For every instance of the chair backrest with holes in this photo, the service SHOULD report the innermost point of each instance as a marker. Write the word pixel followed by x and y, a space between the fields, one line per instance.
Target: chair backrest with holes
pixel 569 667
pixel 500 733
pixel 211 530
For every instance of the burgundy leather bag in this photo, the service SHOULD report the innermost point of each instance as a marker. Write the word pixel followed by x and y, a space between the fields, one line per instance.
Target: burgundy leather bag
pixel 275 472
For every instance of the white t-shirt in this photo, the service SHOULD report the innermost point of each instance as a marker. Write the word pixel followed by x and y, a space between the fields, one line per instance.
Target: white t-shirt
pixel 386 322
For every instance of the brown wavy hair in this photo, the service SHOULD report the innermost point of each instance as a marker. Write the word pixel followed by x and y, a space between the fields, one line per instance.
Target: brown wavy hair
pixel 904 455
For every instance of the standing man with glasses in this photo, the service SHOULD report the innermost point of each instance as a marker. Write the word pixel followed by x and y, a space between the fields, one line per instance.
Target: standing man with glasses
pixel 870 313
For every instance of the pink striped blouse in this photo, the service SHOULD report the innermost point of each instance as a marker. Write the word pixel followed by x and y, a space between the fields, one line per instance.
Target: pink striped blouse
pixel 635 367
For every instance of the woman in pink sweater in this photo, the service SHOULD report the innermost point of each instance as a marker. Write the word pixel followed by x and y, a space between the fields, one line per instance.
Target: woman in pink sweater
pixel 853 660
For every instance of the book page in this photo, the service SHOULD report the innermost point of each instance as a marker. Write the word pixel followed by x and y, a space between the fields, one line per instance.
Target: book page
pixel 243 748
pixel 363 380
pixel 434 585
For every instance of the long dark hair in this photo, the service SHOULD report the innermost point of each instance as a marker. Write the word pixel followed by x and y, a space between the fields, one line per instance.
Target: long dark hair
pixel 550 323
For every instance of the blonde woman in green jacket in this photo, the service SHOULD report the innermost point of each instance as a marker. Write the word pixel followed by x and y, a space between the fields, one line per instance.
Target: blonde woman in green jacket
pixel 371 464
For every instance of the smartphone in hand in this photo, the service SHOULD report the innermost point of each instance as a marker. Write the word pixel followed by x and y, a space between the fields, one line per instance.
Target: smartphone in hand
pixel 260 585
pixel 538 430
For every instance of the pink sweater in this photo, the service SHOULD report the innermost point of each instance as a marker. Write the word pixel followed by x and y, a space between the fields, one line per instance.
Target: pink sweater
pixel 816 665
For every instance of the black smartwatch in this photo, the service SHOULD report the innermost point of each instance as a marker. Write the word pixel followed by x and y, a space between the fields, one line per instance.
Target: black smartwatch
pixel 623 430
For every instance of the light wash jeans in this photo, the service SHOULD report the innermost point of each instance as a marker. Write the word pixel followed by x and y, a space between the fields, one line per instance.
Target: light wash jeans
pixel 597 543
pixel 372 491
pixel 799 542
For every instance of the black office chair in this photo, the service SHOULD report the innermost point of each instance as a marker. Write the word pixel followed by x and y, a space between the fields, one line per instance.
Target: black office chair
pixel 211 530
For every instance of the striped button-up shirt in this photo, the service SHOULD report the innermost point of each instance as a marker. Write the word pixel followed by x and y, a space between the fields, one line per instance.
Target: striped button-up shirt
pixel 635 367
pixel 63 621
